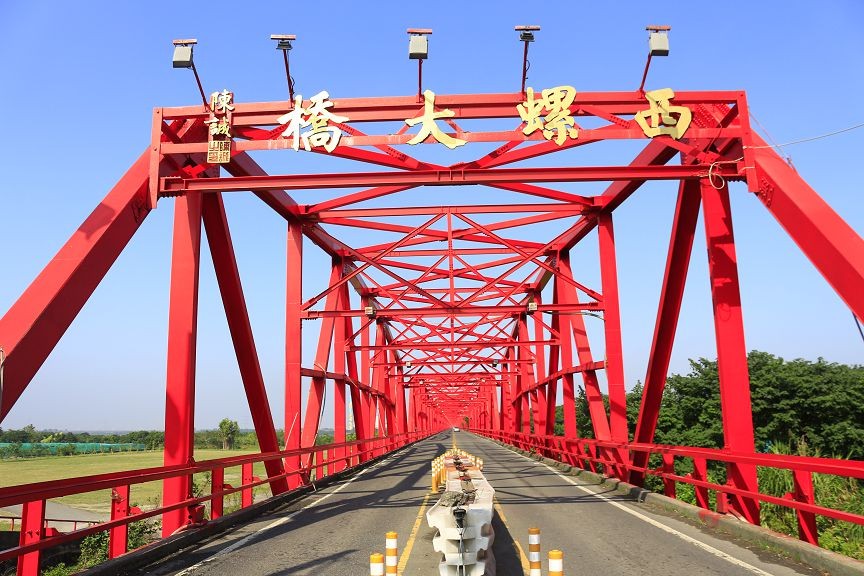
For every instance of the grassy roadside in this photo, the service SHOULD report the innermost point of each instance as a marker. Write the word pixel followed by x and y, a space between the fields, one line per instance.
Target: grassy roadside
pixel 29 470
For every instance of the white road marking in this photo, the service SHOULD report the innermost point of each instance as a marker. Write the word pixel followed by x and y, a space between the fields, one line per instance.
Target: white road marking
pixel 280 521
pixel 708 548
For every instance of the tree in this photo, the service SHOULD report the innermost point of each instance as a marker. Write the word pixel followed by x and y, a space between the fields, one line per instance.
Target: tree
pixel 818 404
pixel 229 430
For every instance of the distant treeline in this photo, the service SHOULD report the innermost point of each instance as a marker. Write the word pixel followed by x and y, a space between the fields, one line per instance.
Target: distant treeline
pixel 27 441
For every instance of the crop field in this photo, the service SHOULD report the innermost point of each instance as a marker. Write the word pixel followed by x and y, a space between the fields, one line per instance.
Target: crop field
pixel 147 495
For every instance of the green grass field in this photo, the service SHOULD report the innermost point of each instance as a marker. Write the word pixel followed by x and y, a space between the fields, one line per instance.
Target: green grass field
pixel 148 495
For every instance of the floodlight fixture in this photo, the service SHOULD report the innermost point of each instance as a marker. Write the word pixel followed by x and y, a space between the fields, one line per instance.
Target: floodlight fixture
pixel 658 45
pixel 418 49
pixel 532 307
pixel 283 41
pixel 369 311
pixel 183 52
pixel 418 43
pixel 526 35
pixel 495 363
pixel 658 40
pixel 283 44
pixel 183 59
pixel 408 365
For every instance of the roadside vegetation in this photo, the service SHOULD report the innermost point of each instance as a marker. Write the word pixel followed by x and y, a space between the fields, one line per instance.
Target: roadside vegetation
pixel 799 407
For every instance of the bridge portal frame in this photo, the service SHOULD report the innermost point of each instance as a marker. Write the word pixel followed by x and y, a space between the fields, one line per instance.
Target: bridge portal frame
pixel 719 147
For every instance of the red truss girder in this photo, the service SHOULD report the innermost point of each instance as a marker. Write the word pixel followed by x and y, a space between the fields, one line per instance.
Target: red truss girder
pixel 453 177
pixel 456 335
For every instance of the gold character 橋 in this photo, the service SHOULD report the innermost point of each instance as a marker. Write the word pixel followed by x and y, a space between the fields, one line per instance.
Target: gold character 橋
pixel 318 118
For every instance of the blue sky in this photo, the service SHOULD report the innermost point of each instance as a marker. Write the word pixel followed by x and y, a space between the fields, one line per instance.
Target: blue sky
pixel 80 82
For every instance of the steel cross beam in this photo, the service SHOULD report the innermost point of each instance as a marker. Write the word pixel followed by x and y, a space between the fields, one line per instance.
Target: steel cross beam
pixel 408 313
pixel 176 185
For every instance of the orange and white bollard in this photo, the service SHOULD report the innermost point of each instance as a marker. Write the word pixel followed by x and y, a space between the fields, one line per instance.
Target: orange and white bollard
pixel 376 564
pixel 556 563
pixel 535 564
pixel 391 553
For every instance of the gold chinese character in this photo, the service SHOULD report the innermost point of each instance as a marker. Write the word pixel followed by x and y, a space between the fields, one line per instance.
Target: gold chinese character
pixel 219 126
pixel 429 127
pixel 661 116
pixel 318 117
pixel 220 102
pixel 558 121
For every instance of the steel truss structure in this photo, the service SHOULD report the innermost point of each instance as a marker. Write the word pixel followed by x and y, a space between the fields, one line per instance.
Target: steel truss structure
pixel 461 312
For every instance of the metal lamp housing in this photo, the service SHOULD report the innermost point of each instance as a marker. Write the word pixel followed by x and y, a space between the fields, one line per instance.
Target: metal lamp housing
pixel 182 57
pixel 658 44
pixel 418 47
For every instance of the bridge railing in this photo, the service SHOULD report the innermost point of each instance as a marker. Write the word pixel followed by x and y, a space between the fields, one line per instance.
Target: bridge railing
pixel 615 460
pixel 36 536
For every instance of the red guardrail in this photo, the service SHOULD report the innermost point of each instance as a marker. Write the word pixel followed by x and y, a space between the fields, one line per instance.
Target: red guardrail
pixel 590 454
pixel 323 461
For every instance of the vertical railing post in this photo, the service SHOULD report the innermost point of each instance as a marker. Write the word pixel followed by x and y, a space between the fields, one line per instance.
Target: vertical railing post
pixel 669 468
pixel 118 535
pixel 246 479
pixel 700 472
pixel 217 500
pixel 803 482
pixel 32 530
pixel 322 459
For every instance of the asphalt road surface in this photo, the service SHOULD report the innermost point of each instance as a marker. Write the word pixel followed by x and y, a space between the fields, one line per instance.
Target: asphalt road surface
pixel 333 531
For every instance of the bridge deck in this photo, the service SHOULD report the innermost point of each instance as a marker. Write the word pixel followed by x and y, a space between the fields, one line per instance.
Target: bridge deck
pixel 334 530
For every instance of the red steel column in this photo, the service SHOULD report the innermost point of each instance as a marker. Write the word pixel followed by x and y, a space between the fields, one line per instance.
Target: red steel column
pixel 339 397
pixel 357 395
pixel 668 311
pixel 525 375
pixel 401 412
pixel 554 355
pixel 228 277
pixel 182 341
pixel 539 372
pixel 378 421
pixel 596 409
pixel 293 346
pixel 315 398
pixel 39 318
pixel 731 351
pixel 826 239
pixel 566 355
pixel 368 401
pixel 612 326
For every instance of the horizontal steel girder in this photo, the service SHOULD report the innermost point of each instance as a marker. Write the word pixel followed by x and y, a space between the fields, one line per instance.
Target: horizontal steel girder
pixel 455 177
pixel 455 311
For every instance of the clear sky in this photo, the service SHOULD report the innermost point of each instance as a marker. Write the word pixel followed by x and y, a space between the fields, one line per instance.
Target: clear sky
pixel 80 81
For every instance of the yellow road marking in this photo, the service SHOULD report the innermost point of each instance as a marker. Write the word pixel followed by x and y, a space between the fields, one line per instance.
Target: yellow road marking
pixel 522 557
pixel 409 544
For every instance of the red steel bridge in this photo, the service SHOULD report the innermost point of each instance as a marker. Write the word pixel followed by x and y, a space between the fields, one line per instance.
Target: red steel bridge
pixel 439 313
